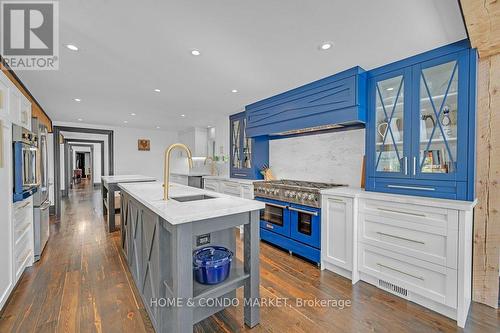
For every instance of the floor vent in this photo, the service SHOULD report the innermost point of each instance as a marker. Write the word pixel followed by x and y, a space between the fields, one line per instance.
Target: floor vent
pixel 393 288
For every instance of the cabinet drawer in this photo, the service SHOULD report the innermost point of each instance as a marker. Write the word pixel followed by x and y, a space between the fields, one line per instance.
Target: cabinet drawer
pixel 410 213
pixel 430 243
pixel 231 188
pixel 429 280
pixel 454 190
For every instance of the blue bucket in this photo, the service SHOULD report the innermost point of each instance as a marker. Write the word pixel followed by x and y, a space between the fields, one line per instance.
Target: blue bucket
pixel 212 264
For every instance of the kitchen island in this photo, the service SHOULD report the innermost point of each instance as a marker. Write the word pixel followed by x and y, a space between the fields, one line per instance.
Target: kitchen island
pixel 158 240
pixel 108 189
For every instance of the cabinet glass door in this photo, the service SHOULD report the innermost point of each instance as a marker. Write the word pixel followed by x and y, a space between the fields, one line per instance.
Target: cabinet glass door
pixel 236 143
pixel 390 147
pixel 247 147
pixel 436 149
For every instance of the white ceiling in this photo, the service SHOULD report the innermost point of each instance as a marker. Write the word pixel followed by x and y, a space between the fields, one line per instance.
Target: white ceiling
pixel 261 47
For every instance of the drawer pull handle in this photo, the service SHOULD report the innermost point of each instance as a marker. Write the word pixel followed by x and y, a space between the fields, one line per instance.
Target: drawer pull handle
pixel 269 226
pixel 399 271
pixel 412 187
pixel 399 237
pixel 303 211
pixel 400 212
pixel 239 174
pixel 336 200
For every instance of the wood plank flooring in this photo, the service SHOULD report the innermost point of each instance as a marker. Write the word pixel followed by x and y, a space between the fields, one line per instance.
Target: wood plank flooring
pixel 81 285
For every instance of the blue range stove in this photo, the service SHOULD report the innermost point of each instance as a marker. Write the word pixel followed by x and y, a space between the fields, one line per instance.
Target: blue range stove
pixel 292 217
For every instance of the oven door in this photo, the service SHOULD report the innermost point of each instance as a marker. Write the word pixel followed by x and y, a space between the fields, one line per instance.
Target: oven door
pixel 305 224
pixel 30 165
pixel 275 217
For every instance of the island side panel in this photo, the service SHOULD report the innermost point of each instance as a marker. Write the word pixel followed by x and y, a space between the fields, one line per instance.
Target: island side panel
pixel 182 278
pixel 111 206
pixel 104 192
pixel 251 252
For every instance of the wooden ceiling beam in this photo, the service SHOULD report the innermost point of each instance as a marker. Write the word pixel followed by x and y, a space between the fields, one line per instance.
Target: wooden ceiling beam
pixel 482 18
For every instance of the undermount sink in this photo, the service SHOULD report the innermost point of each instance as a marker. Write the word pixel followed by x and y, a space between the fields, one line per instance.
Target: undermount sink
pixel 193 198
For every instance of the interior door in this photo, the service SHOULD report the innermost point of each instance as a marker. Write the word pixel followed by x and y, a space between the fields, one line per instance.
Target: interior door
pixel 389 105
pixel 440 104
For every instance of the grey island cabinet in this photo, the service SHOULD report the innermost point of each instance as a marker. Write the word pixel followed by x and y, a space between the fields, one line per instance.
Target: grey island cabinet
pixel 158 240
pixel 109 187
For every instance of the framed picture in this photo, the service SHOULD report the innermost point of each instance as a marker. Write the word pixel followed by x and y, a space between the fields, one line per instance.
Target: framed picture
pixel 144 145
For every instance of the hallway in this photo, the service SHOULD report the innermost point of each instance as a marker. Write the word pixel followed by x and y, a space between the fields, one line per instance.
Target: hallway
pixel 82 285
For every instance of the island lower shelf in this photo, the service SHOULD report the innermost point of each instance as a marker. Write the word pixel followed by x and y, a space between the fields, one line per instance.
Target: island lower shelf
pixel 159 257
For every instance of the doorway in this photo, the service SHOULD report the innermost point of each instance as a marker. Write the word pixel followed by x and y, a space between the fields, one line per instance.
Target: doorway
pixel 63 171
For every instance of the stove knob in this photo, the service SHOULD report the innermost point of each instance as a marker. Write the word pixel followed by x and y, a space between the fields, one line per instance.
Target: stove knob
pixel 293 194
pixel 310 197
pixel 276 192
pixel 304 196
pixel 287 194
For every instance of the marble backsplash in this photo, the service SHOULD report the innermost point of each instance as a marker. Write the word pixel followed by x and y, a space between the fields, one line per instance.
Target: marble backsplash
pixel 334 157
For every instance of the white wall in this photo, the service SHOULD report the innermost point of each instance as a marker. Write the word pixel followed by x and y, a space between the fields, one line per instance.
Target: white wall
pixel 127 158
pixel 335 157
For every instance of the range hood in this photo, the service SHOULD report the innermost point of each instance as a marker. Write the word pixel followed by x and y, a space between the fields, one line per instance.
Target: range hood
pixel 334 102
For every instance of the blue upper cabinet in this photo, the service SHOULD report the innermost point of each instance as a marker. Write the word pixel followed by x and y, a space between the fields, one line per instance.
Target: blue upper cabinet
pixel 247 155
pixel 421 124
pixel 336 100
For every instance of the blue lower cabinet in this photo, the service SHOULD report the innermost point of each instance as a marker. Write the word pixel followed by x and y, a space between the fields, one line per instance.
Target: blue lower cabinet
pixel 420 133
pixel 247 155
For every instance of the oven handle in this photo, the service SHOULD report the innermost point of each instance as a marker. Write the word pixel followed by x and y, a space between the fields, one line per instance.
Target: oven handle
pixel 303 211
pixel 275 205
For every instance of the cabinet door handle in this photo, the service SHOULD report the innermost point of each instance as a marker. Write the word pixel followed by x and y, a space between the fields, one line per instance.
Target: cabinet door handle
pixel 399 237
pixel 406 165
pixel 400 271
pixel 336 200
pixel 414 165
pixel 412 187
pixel 269 226
pixel 239 174
pixel 400 212
pixel 303 211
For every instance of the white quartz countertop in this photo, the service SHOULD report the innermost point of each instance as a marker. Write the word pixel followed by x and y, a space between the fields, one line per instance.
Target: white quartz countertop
pixel 356 192
pixel 175 212
pixel 236 180
pixel 127 179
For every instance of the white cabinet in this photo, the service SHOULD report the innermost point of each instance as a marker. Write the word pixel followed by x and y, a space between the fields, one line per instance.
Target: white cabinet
pixel 196 139
pixel 211 185
pixel 179 179
pixel 6 234
pixel 337 236
pixel 246 191
pixel 19 108
pixel 4 97
pixel 230 188
pixel 22 224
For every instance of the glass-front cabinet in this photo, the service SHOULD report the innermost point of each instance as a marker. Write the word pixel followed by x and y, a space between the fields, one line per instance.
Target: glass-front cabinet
pixel 421 125
pixel 247 155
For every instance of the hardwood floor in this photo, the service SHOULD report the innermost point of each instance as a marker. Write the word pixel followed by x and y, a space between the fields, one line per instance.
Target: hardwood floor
pixel 81 285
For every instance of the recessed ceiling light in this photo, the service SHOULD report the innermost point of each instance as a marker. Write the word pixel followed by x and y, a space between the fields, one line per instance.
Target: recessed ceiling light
pixel 390 89
pixel 183 115
pixel 77 100
pixel 157 90
pixel 72 47
pixel 125 121
pixel 195 52
pixel 234 90
pixel 80 119
pixel 325 46
pixel 157 127
pixel 132 114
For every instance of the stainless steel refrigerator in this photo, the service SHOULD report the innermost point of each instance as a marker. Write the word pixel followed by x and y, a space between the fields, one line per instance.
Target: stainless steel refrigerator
pixel 41 200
